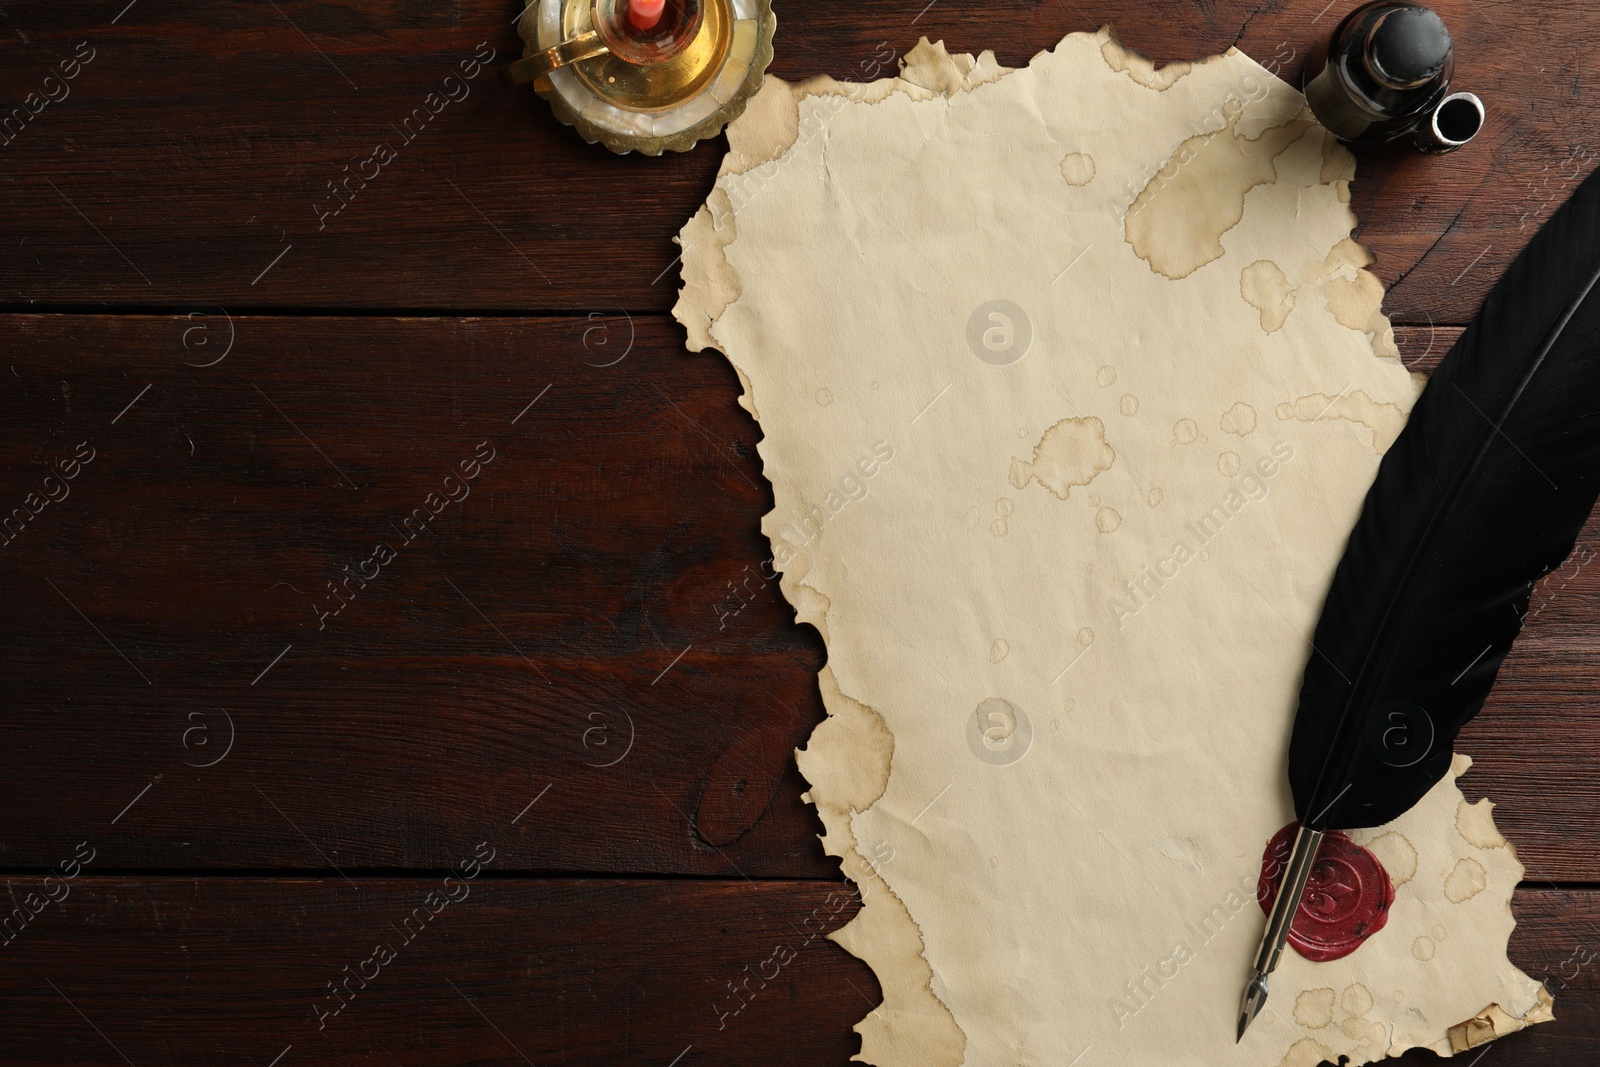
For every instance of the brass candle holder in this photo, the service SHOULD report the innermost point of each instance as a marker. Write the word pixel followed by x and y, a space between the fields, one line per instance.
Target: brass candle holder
pixel 645 75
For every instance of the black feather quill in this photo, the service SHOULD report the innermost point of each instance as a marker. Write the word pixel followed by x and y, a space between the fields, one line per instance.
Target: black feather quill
pixel 1483 493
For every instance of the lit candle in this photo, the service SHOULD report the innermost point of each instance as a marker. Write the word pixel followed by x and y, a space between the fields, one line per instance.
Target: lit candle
pixel 645 14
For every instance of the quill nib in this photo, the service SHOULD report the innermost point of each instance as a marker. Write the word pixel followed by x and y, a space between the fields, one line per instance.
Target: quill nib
pixel 1296 873
pixel 1255 998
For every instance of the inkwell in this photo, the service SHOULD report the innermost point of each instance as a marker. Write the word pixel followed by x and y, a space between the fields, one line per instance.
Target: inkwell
pixel 1385 76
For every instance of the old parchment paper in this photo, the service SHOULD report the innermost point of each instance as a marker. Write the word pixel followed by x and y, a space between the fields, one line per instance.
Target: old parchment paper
pixel 1071 382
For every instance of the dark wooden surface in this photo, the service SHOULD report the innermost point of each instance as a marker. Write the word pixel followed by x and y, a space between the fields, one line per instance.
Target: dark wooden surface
pixel 554 971
pixel 556 664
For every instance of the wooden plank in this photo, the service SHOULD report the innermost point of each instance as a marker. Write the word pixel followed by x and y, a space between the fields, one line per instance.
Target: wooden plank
pixel 191 163
pixel 552 972
pixel 510 972
pixel 586 592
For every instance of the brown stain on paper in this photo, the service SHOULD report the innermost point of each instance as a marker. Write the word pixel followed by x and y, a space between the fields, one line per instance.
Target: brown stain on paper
pixel 1350 298
pixel 1492 1023
pixel 706 295
pixel 851 726
pixel 1356 1000
pixel 1338 164
pixel 1077 168
pixel 1398 856
pixel 1306 1053
pixel 1384 420
pixel 932 67
pixel 1239 420
pixel 1466 881
pixel 1354 296
pixel 1140 69
pixel 1313 1009
pixel 1476 824
pixel 1176 223
pixel 1071 453
pixel 1266 288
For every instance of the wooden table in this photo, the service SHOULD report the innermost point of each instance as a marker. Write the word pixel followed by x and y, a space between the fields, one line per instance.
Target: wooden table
pixel 518 747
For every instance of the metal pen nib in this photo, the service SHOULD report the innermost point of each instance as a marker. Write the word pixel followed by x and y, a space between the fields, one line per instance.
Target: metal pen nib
pixel 1255 998
pixel 1296 874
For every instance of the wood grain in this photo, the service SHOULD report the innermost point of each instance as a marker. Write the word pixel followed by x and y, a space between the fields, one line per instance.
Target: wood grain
pixel 551 972
pixel 591 619
pixel 198 145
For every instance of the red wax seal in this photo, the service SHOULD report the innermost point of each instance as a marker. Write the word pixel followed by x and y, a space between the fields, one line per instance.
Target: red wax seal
pixel 1346 901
